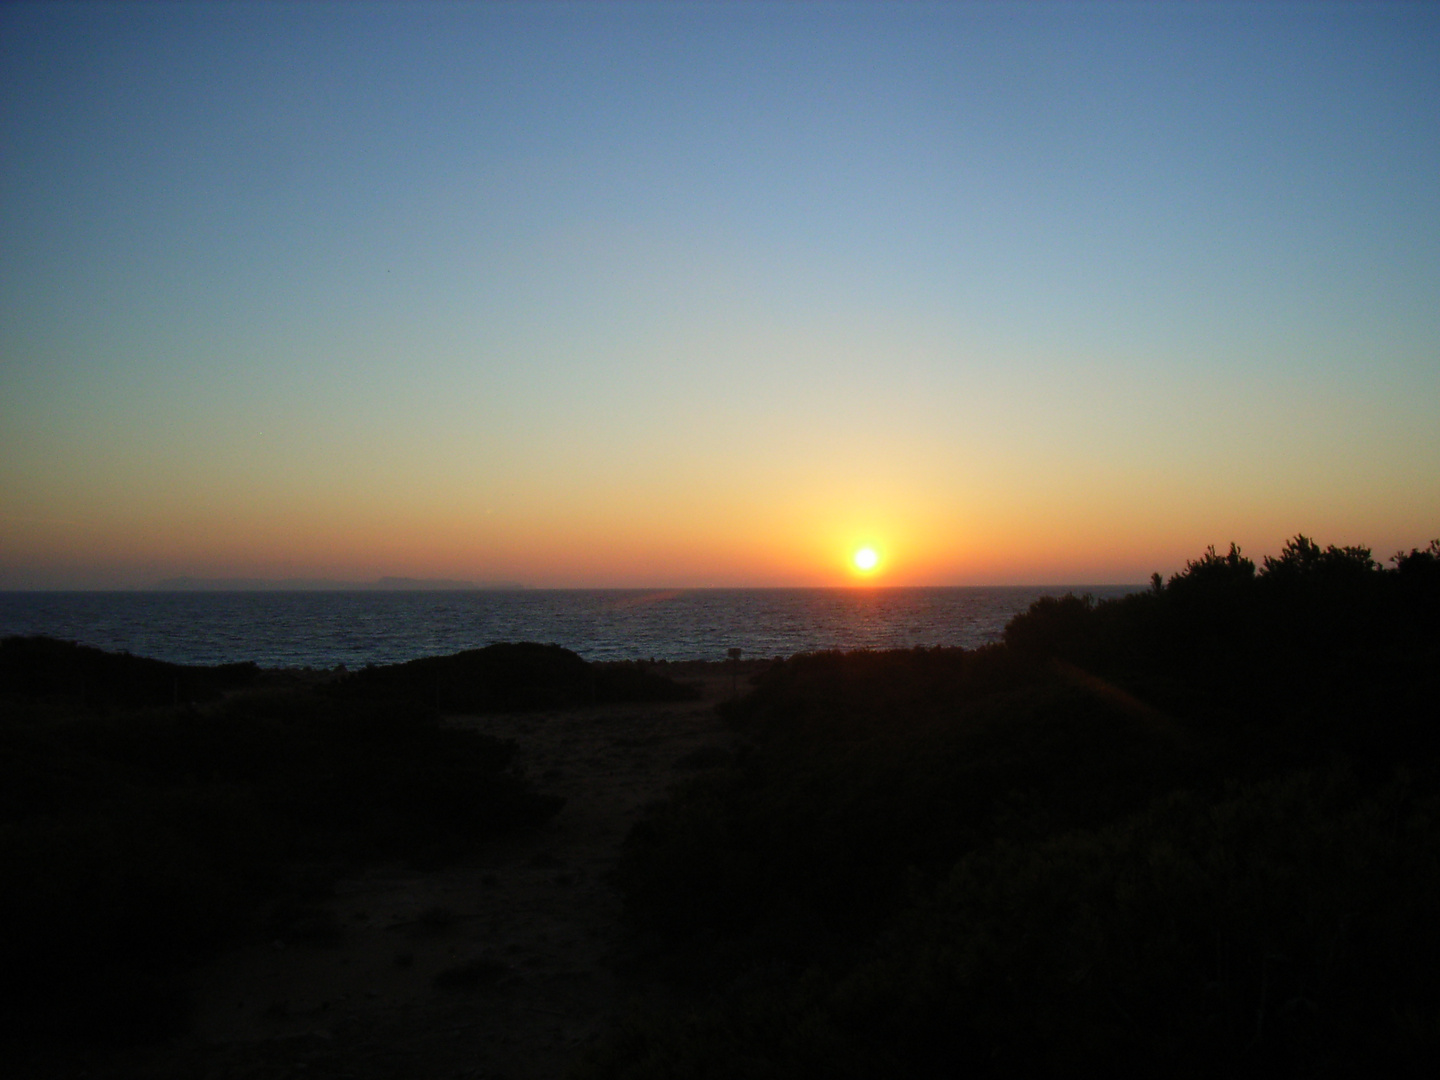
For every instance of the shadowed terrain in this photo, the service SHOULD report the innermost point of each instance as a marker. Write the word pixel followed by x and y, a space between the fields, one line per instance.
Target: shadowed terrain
pixel 140 837
pixel 1187 832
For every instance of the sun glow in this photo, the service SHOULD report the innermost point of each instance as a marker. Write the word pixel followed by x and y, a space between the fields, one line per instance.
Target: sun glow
pixel 865 560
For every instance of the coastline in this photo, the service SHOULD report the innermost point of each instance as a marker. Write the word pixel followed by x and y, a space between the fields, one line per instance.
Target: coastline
pixel 325 629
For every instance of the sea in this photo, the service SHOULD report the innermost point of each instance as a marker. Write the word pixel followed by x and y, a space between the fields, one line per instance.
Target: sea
pixel 324 630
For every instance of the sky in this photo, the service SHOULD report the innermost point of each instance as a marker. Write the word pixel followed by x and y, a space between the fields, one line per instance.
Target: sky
pixel 713 294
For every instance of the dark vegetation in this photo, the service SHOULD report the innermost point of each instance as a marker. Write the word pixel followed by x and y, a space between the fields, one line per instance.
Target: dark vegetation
pixel 1193 831
pixel 506 677
pixel 151 812
pixel 64 673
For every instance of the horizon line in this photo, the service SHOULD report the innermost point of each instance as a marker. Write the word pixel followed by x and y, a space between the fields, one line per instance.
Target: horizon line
pixel 340 587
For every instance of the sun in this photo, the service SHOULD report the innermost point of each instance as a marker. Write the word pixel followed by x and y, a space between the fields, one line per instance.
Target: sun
pixel 865 559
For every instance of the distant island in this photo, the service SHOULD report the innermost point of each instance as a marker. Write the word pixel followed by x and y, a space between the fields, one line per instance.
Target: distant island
pixel 384 584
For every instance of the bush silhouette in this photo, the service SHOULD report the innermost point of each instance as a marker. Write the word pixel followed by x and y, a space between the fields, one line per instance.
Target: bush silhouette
pixel 62 671
pixel 510 677
pixel 1185 832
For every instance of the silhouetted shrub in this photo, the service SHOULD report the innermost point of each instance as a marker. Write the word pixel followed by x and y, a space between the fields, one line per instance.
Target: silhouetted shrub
pixel 865 771
pixel 1213 573
pixel 1190 831
pixel 79 675
pixel 1053 626
pixel 1279 928
pixel 512 677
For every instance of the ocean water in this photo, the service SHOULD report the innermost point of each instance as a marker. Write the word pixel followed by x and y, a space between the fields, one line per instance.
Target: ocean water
pixel 323 629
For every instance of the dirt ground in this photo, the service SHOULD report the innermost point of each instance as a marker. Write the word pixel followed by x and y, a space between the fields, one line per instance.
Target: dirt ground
pixel 502 968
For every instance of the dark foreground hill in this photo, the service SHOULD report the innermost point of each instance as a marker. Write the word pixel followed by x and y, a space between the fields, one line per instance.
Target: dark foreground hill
pixel 510 677
pixel 89 679
pixel 151 813
pixel 1192 832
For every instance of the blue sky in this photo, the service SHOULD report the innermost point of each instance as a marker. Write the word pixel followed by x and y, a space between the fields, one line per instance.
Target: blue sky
pixel 693 294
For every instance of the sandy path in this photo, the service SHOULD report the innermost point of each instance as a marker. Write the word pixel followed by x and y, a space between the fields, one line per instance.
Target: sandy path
pixel 518 941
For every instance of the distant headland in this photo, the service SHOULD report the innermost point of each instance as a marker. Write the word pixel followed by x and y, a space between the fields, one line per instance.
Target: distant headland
pixel 384 584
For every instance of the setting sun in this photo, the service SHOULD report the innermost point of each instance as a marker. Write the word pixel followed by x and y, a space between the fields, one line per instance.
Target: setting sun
pixel 866 560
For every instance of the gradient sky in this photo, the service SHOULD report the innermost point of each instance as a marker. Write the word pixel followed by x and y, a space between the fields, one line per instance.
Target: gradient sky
pixel 713 294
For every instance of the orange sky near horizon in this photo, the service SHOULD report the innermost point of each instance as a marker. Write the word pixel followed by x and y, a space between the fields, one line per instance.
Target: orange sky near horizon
pixel 794 545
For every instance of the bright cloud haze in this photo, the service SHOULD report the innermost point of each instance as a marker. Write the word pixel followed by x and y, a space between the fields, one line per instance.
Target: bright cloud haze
pixel 715 293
